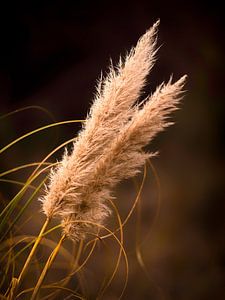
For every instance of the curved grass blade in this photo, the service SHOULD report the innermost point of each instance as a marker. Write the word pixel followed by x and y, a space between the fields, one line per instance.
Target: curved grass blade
pixel 23 208
pixel 27 108
pixel 36 131
pixel 21 167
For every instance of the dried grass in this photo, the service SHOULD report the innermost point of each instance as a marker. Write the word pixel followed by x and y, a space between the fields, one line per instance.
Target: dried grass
pixel 109 148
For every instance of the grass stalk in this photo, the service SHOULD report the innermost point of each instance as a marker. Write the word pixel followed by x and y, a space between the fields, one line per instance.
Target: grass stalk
pixel 46 268
pixel 14 287
pixel 38 239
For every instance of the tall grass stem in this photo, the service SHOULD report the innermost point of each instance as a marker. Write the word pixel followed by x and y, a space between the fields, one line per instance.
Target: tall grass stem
pixel 46 268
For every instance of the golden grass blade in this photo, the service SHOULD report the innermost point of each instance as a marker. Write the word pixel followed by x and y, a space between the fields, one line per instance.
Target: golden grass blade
pixel 37 241
pixel 12 204
pixel 131 211
pixel 74 263
pixel 27 108
pixel 36 131
pixel 16 281
pixel 16 182
pixel 52 287
pixel 23 167
pixel 102 291
pixel 23 208
pixel 46 268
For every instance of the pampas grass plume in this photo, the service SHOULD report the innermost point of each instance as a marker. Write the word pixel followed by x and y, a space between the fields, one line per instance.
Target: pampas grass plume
pixel 109 147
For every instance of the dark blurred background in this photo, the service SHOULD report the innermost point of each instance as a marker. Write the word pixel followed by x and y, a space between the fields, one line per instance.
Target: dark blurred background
pixel 52 52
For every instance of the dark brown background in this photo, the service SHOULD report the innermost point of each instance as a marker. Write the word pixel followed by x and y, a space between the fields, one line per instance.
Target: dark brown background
pixel 51 54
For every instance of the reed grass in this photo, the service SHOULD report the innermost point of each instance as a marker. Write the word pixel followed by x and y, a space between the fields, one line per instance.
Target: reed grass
pixel 79 191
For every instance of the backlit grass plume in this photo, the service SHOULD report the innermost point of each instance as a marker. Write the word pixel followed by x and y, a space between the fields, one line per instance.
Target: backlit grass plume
pixel 109 147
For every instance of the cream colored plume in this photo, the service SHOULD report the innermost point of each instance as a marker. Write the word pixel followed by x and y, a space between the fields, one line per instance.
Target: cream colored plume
pixel 111 109
pixel 110 146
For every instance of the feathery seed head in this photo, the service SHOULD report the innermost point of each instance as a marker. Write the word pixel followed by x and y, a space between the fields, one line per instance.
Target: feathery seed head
pixel 109 147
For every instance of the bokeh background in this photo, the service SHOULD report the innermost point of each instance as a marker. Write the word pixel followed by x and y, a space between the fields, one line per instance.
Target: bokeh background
pixel 51 54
